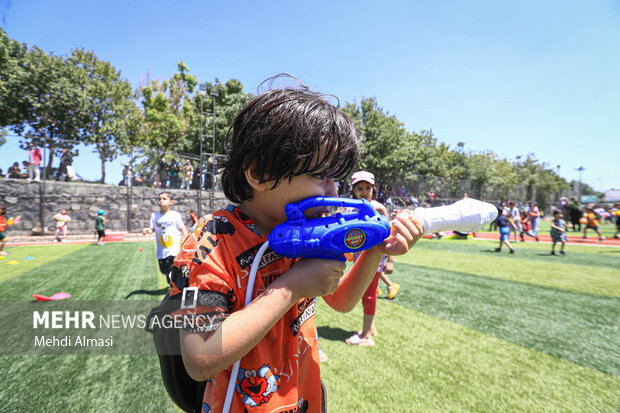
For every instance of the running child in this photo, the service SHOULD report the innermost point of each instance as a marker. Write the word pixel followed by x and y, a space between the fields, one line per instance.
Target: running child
pixel 62 225
pixel 363 184
pixel 168 228
pixel 592 220
pixel 3 225
pixel 558 231
pixel 284 146
pixel 100 226
pixel 615 212
pixel 504 231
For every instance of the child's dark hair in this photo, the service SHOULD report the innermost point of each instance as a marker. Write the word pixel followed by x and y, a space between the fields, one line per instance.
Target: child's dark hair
pixel 168 194
pixel 284 133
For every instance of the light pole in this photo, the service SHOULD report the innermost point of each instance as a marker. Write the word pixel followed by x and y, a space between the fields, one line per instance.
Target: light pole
pixel 202 89
pixel 580 169
pixel 214 93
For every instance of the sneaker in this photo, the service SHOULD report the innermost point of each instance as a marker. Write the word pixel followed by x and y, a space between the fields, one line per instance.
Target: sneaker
pixel 4 253
pixel 392 290
pixel 584 237
pixel 512 251
pixel 498 249
pixel 562 252
pixel 379 292
pixel 552 252
pixel 601 238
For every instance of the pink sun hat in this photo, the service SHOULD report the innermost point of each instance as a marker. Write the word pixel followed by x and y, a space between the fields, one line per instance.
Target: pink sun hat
pixel 362 176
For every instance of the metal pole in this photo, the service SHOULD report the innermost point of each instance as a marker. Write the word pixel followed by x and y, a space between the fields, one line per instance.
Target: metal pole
pixel 129 190
pixel 213 157
pixel 202 99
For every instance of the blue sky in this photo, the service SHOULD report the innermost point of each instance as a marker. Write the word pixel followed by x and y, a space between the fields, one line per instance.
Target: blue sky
pixel 513 77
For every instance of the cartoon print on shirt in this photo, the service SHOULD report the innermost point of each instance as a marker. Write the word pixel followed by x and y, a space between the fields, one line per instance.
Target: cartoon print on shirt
pixel 164 239
pixel 246 220
pixel 220 225
pixel 256 387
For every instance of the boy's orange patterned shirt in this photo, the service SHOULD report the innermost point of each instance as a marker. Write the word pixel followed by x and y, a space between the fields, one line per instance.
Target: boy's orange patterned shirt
pixel 3 223
pixel 282 373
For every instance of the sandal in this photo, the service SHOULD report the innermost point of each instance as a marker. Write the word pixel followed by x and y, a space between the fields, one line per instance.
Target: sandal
pixel 356 340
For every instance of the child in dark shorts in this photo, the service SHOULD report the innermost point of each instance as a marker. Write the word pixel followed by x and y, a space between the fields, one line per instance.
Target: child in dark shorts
pixel 100 226
pixel 558 231
pixel 504 232
pixel 169 231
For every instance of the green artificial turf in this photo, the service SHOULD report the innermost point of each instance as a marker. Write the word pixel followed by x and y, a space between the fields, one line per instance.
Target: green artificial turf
pixel 470 330
pixel 41 255
pixel 115 271
pixel 423 363
pixel 525 265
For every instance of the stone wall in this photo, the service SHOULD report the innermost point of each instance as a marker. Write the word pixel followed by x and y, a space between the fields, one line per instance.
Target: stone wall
pixel 127 209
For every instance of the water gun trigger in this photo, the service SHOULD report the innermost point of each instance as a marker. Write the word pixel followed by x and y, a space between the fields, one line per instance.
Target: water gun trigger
pixel 329 237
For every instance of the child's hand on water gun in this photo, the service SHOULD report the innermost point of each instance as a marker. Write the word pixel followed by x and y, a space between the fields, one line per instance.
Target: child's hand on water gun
pixel 405 231
pixel 314 277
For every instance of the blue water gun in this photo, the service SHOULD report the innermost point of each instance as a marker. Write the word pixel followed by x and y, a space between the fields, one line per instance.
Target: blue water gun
pixel 329 237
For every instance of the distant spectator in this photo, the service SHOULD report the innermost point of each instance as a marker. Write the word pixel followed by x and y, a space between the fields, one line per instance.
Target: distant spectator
pixel 173 174
pixel 188 171
pixel 66 160
pixel 34 162
pixel 139 180
pixel 163 172
pixel 1 173
pixel 14 171
pixel 574 214
pixel 127 175
pixel 196 178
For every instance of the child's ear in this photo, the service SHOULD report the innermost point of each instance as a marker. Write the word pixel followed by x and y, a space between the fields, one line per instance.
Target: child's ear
pixel 254 180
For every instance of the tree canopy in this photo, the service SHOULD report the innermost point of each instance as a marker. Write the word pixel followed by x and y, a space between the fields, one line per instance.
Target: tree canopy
pixel 61 101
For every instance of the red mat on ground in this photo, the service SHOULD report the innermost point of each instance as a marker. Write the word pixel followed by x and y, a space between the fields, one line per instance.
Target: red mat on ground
pixel 57 296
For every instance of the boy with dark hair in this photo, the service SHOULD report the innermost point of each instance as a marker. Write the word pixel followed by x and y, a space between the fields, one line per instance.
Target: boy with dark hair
pixel 558 231
pixel 169 230
pixel 284 146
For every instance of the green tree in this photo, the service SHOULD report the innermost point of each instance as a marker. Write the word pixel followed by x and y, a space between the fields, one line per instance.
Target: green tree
pixel 168 109
pixel 169 115
pixel 40 97
pixel 229 102
pixel 387 148
pixel 112 117
pixel 14 105
pixel 481 170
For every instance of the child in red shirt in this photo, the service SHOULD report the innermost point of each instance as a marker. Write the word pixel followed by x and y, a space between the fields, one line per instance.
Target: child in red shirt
pixel 3 225
pixel 284 146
